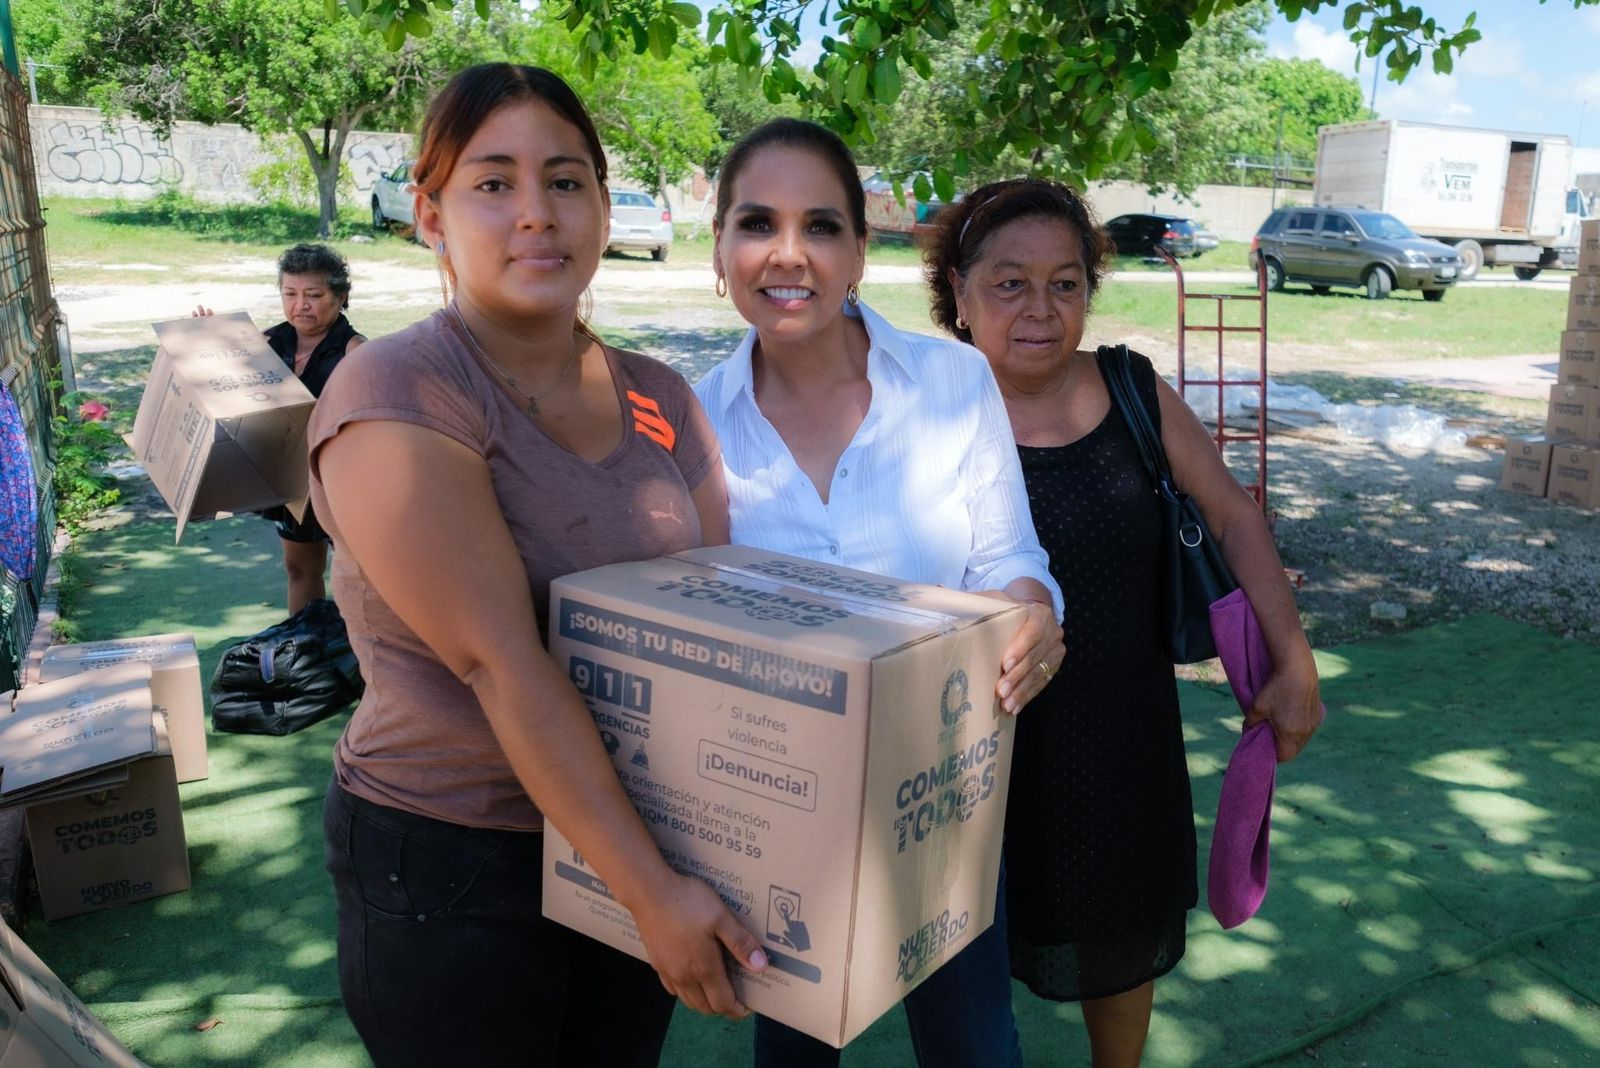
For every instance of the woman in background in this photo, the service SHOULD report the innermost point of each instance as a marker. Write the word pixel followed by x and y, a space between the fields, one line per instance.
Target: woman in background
pixel 314 286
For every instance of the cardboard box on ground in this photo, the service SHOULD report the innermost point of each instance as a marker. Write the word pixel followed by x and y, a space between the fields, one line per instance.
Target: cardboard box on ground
pixel 1573 413
pixel 819 744
pixel 91 761
pixel 1580 358
pixel 42 1022
pixel 1575 475
pixel 174 686
pixel 1527 466
pixel 1589 247
pixel 221 426
pixel 1583 303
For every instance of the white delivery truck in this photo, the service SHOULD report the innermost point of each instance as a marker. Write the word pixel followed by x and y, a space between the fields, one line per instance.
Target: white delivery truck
pixel 1497 197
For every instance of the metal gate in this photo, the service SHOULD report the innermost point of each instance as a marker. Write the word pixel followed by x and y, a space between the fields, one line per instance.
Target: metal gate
pixel 30 360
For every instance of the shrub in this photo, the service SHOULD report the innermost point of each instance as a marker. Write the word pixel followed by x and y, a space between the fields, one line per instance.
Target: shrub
pixel 83 445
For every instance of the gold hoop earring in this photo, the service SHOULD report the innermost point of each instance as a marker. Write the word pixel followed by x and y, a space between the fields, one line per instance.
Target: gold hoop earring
pixel 852 296
pixel 721 286
pixel 961 324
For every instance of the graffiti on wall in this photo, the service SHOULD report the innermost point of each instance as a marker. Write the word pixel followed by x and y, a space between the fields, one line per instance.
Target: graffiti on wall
pixel 370 160
pixel 220 162
pixel 121 155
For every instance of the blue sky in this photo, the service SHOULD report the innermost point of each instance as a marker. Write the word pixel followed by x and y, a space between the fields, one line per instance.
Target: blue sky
pixel 1533 71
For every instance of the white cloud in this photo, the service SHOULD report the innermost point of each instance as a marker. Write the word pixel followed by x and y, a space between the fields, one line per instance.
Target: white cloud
pixel 1586 88
pixel 1425 97
pixel 804 57
pixel 1500 58
pixel 1331 48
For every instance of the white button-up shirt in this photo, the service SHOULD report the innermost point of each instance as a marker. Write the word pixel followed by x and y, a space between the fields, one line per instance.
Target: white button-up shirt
pixel 929 490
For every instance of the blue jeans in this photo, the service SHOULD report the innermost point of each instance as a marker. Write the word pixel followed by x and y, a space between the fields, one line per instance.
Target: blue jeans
pixel 444 958
pixel 960 1017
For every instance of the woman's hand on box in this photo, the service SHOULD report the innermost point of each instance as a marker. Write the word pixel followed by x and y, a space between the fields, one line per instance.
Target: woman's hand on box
pixel 1035 652
pixel 200 310
pixel 686 930
pixel 1031 659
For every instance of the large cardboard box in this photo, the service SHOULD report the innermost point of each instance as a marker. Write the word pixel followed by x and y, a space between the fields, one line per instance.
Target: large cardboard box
pixel 174 686
pixel 111 846
pixel 90 759
pixel 222 423
pixel 1580 358
pixel 42 1022
pixel 1575 475
pixel 1573 413
pixel 1527 468
pixel 1589 247
pixel 1583 303
pixel 821 745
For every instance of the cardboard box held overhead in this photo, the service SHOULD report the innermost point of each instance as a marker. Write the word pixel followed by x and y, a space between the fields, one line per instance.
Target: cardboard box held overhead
pixel 222 423
pixel 42 1022
pixel 174 686
pixel 821 745
pixel 89 758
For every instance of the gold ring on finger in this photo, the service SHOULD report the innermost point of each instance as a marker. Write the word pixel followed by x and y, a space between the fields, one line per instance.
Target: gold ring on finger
pixel 1045 668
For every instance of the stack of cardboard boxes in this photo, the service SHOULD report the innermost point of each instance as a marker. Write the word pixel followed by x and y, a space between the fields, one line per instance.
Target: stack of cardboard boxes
pixel 94 752
pixel 1563 463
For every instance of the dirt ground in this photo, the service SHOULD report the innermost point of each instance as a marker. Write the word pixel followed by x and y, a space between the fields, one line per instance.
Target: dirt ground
pixel 1386 539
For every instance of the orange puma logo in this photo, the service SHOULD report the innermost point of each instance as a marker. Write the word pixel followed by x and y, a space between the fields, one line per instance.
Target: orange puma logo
pixel 647 420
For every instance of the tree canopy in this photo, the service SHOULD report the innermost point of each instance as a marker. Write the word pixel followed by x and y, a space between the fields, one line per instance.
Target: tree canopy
pixel 1072 76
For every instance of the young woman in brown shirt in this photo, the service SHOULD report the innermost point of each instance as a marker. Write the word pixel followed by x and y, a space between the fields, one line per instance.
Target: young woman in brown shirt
pixel 459 465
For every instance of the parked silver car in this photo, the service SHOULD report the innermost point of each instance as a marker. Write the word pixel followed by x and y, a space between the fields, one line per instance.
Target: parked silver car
pixel 639 224
pixel 391 198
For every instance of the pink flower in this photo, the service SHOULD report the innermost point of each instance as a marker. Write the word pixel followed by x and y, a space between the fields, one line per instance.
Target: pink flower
pixel 92 411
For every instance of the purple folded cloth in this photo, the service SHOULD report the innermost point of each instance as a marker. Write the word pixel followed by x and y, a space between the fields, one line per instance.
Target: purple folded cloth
pixel 1237 880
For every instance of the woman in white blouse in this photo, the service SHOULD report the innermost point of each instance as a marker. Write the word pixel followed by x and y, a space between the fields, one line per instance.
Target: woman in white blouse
pixel 850 442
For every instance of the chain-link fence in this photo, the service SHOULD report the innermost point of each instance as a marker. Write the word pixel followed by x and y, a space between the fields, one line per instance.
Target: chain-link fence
pixel 30 385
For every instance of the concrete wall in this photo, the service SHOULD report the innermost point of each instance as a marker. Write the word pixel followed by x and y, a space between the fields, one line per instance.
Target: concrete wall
pixel 1233 211
pixel 77 154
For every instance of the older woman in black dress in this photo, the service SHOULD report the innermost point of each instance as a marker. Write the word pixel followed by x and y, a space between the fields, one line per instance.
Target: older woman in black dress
pixel 1102 872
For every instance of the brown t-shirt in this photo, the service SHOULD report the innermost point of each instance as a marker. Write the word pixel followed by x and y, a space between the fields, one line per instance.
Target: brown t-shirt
pixel 419 740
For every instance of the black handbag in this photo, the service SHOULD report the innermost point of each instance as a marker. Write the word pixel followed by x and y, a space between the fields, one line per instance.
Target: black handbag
pixel 287 677
pixel 1194 574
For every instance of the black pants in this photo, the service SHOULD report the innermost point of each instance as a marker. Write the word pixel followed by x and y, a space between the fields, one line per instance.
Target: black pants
pixel 444 958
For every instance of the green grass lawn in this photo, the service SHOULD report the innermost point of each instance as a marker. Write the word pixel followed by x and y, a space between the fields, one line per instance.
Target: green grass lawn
pixel 90 240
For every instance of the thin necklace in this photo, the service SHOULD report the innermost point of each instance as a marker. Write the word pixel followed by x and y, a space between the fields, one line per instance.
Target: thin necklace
pixel 516 387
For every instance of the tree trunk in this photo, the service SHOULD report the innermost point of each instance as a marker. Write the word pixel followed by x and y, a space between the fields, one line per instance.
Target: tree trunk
pixel 326 163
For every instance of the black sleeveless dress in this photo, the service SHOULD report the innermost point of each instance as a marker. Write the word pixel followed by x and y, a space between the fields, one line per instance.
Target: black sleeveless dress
pixel 1100 840
pixel 284 339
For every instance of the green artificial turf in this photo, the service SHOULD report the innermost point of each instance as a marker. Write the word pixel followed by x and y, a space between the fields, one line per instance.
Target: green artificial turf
pixel 1433 897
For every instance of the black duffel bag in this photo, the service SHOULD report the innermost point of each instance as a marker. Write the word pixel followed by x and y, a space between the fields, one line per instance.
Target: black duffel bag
pixel 287 677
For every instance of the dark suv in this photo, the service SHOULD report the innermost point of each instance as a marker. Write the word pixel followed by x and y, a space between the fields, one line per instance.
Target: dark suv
pixel 1369 250
pixel 1139 234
